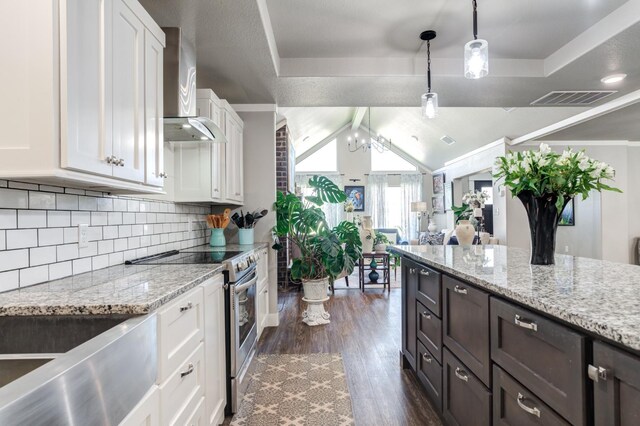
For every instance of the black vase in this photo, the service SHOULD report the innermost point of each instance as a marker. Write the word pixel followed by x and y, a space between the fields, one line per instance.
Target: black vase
pixel 543 218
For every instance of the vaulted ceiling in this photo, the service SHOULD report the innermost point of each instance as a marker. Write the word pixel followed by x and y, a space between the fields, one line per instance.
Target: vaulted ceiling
pixel 337 53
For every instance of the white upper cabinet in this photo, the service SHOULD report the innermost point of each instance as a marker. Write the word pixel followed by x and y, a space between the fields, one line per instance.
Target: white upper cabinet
pixel 87 77
pixel 234 173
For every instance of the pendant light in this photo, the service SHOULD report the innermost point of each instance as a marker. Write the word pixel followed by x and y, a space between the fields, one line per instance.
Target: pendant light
pixel 476 52
pixel 429 99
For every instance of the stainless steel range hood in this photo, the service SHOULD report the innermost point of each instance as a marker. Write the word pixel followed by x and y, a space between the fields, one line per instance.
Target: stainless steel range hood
pixel 180 121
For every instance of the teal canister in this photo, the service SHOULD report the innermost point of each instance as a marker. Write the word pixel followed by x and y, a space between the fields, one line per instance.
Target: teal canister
pixel 245 236
pixel 217 238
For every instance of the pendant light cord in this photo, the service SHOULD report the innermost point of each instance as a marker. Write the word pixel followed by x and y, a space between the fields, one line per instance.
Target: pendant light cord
pixel 428 66
pixel 475 20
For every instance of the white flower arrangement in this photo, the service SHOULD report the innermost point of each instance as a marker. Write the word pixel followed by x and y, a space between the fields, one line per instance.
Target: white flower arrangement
pixel 475 198
pixel 547 172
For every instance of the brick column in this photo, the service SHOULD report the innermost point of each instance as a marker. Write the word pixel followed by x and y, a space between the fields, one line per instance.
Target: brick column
pixel 282 184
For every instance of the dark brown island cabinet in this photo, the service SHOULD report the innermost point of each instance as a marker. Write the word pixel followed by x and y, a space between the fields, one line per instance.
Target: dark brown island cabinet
pixel 484 360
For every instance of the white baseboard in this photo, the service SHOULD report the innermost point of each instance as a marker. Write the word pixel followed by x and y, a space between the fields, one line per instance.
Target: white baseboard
pixel 272 320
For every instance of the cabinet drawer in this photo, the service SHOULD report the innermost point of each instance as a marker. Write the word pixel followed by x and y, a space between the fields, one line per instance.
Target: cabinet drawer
pixel 198 417
pixel 546 357
pixel 183 390
pixel 617 395
pixel 430 374
pixel 465 399
pixel 429 289
pixel 147 412
pixel 466 326
pixel 515 405
pixel 180 330
pixel 429 331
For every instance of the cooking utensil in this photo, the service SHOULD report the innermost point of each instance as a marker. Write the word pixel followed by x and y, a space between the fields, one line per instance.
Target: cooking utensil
pixel 225 217
pixel 240 222
pixel 248 220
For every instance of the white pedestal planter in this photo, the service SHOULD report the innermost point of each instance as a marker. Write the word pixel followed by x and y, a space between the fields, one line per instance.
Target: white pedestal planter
pixel 315 294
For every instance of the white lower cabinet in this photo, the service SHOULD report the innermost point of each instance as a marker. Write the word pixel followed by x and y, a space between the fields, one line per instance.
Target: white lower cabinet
pixel 215 353
pixel 147 412
pixel 262 308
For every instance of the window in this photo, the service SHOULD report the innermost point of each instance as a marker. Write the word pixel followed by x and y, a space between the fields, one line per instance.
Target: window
pixel 324 159
pixel 388 161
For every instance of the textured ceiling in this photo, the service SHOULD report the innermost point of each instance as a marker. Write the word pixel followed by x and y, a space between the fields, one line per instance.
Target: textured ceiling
pixel 379 28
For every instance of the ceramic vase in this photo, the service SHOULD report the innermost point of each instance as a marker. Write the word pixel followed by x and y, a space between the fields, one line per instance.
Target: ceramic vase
pixel 366 238
pixel 217 238
pixel 380 248
pixel 543 218
pixel 465 232
pixel 373 275
pixel 432 227
pixel 315 294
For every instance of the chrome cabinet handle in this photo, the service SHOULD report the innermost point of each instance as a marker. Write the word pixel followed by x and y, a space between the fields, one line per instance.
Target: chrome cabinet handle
pixel 596 373
pixel 112 160
pixel 461 374
pixel 216 190
pixel 189 370
pixel 460 290
pixel 426 315
pixel 163 175
pixel 121 162
pixel 425 273
pixel 529 325
pixel 186 307
pixel 531 410
pixel 412 270
pixel 427 358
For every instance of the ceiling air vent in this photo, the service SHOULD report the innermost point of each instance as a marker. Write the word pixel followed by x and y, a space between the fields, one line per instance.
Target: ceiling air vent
pixel 575 97
pixel 448 140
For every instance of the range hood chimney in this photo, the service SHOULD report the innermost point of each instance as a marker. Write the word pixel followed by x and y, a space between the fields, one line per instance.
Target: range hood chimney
pixel 180 121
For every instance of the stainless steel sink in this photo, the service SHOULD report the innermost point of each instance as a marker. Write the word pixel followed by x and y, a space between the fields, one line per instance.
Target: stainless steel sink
pixel 28 342
pixel 57 370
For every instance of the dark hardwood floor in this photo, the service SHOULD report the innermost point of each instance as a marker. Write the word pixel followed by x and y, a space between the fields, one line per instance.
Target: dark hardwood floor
pixel 366 329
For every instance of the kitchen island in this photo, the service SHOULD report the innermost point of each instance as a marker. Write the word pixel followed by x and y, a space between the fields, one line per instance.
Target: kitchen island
pixel 495 339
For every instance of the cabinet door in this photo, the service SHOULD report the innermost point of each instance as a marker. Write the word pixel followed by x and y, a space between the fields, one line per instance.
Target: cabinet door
pixel 153 111
pixel 207 108
pixel 262 309
pixel 214 345
pixel 85 106
pixel 126 54
pixel 465 399
pixel 409 326
pixel 239 163
pixel 233 160
pixel 616 391
pixel 147 412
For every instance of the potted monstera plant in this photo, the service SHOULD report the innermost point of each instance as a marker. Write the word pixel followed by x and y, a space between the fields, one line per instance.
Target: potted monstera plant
pixel 324 253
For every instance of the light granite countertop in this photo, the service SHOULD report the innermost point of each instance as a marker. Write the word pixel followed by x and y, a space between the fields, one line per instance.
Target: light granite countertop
pixel 229 247
pixel 129 290
pixel 598 296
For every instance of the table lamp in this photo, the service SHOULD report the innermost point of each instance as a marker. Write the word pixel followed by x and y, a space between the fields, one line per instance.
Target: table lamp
pixel 419 207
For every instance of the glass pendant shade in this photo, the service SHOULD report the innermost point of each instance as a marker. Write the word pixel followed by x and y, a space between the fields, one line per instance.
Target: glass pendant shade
pixel 476 59
pixel 429 105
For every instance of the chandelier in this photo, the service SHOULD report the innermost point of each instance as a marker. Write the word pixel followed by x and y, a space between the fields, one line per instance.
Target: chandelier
pixel 369 141
pixel 429 99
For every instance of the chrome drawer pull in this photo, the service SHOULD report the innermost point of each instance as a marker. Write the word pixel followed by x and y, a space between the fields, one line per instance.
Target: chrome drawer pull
pixel 425 315
pixel 460 290
pixel 427 358
pixel 531 410
pixel 425 273
pixel 529 325
pixel 189 370
pixel 596 373
pixel 462 375
pixel 186 307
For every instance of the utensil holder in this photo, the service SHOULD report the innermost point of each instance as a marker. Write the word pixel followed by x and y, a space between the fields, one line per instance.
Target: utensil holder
pixel 245 236
pixel 217 238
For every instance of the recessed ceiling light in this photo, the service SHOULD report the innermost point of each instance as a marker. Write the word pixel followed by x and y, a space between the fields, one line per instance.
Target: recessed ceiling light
pixel 613 78
pixel 414 137
pixel 204 138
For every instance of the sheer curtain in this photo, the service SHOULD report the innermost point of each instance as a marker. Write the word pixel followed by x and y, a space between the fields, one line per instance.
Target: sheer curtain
pixel 333 212
pixel 411 187
pixel 375 199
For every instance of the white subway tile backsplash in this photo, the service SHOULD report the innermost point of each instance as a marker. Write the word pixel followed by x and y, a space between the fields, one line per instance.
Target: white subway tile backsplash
pixel 57 219
pixel 60 270
pixel 14 199
pixel 42 255
pixel 66 202
pixel 42 200
pixel 50 236
pixel 9 280
pixel 67 252
pixel 32 219
pixel 21 238
pixel 78 218
pixel 38 274
pixel 39 234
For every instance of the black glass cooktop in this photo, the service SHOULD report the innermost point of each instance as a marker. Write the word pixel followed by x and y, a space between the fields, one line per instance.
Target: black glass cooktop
pixel 177 258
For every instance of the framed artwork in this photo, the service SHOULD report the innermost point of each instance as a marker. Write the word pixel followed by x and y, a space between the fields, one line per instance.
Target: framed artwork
pixel 568 218
pixel 438 183
pixel 448 196
pixel 437 203
pixel 355 194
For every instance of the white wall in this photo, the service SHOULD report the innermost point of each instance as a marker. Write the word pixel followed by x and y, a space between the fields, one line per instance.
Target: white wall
pixel 259 151
pixel 633 195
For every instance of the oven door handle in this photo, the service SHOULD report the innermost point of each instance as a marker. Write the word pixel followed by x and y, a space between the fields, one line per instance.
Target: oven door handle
pixel 240 288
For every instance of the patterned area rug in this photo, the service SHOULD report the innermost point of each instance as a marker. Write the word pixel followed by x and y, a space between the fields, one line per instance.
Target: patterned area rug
pixel 296 390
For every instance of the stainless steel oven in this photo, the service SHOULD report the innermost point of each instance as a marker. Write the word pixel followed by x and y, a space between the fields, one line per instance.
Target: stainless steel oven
pixel 242 332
